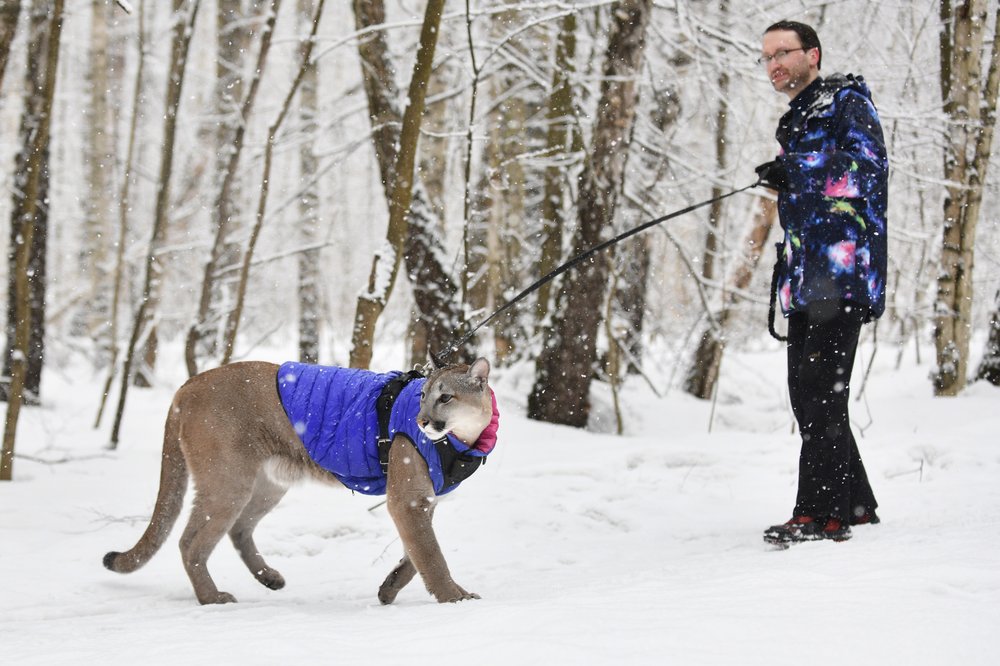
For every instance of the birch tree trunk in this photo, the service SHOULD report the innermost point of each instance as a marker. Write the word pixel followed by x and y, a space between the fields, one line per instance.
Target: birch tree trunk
pixel 91 320
pixel 185 12
pixel 412 228
pixel 564 370
pixel 46 30
pixel 430 186
pixel 703 372
pixel 310 303
pixel 970 106
pixel 145 332
pixel 124 207
pixel 10 11
pixel 434 291
pixel 30 212
pixel 235 27
pixel 236 314
pixel 715 211
pixel 224 208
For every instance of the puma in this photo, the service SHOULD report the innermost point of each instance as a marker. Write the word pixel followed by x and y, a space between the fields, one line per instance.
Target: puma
pixel 245 432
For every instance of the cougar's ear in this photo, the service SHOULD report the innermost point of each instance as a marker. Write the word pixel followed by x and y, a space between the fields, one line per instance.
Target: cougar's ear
pixel 480 370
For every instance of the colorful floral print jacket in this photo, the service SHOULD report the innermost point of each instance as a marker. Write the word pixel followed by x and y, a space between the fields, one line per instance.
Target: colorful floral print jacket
pixel 834 211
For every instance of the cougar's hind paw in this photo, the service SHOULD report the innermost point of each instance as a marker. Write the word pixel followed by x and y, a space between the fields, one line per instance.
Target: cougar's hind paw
pixel 270 578
pixel 458 595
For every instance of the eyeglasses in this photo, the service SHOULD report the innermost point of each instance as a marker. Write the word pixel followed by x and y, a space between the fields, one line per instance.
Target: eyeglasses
pixel 779 55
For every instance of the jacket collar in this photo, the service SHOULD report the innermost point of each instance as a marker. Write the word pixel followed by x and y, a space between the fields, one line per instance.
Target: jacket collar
pixel 805 98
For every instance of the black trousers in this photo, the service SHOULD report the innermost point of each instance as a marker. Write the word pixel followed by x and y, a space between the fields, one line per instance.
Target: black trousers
pixel 822 341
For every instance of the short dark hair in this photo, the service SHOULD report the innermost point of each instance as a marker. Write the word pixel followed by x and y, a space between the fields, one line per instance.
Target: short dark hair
pixel 808 36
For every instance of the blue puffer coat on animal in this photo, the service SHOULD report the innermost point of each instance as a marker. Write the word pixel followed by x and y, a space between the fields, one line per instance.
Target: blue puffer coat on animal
pixel 834 210
pixel 334 414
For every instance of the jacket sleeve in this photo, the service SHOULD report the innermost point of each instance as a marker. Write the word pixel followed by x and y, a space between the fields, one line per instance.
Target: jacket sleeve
pixel 852 163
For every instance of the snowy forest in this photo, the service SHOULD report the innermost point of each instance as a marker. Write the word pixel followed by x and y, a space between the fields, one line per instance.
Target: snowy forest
pixel 371 179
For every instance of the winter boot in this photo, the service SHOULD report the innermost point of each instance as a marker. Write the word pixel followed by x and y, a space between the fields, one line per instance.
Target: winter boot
pixel 807 528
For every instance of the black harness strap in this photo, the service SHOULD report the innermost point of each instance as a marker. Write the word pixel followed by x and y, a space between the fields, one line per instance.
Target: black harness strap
pixel 455 467
pixel 383 405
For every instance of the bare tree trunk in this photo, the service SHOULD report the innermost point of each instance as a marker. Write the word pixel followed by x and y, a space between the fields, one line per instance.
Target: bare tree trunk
pixel 310 304
pixel 716 209
pixel 140 366
pixel 633 287
pixel 31 162
pixel 564 370
pixel 48 33
pixel 703 372
pixel 435 145
pixel 91 321
pixel 377 75
pixel 434 291
pixel 223 210
pixel 185 12
pixel 235 27
pixel 430 188
pixel 385 265
pixel 970 104
pixel 124 205
pixel 496 224
pixel 629 300
pixel 235 315
pixel 495 210
pixel 562 138
pixel 10 11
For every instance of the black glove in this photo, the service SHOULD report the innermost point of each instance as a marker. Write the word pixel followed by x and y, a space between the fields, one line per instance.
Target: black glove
pixel 773 174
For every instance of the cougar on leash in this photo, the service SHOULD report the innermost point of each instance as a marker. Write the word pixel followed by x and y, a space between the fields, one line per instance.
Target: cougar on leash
pixel 246 432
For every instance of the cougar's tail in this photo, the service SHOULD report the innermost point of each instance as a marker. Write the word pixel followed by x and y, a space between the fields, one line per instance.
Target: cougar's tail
pixel 169 500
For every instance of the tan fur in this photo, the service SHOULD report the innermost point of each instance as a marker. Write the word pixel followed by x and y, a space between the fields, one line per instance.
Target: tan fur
pixel 228 430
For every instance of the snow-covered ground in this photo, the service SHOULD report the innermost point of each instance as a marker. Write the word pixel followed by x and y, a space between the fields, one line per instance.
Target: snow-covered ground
pixel 587 548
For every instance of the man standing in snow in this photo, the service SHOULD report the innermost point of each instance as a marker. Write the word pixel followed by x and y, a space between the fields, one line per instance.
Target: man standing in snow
pixel 831 177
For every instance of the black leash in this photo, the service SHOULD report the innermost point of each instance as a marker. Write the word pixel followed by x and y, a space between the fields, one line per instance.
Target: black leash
pixel 775 274
pixel 453 347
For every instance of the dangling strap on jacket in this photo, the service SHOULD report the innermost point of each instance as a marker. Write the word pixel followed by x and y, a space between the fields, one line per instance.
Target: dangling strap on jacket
pixel 775 274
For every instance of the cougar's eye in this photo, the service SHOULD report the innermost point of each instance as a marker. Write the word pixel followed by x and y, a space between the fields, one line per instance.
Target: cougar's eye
pixel 445 398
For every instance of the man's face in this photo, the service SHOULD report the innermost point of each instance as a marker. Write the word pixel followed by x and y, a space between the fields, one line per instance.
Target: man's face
pixel 793 71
